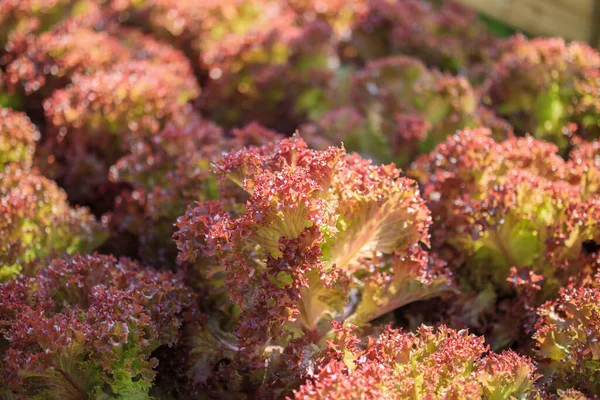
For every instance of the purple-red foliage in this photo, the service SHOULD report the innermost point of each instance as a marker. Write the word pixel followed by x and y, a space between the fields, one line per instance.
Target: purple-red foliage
pixel 395 108
pixel 273 73
pixel 21 17
pixel 432 363
pixel 166 175
pixel 100 117
pixel 286 248
pixel 301 233
pixel 446 35
pixel 38 222
pixel 548 88
pixel 39 64
pixel 18 136
pixel 258 61
pixel 86 326
pixel 514 220
pixel 567 339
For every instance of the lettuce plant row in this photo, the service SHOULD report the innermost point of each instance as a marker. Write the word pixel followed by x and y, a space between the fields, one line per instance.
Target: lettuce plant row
pixel 302 199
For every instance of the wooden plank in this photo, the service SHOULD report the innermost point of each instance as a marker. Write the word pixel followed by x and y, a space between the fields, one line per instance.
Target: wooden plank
pixel 540 17
pixel 595 35
pixel 581 7
pixel 571 19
